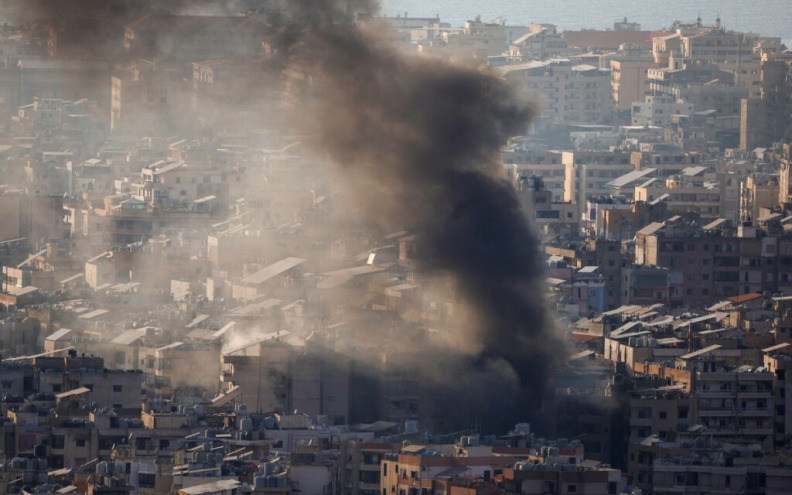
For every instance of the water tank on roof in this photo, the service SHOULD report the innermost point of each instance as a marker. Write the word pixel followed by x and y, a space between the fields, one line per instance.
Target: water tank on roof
pixel 245 424
pixel 269 423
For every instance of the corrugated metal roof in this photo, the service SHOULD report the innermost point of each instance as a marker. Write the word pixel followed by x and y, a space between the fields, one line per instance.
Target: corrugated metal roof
pixel 718 222
pixel 272 270
pixel 93 314
pixel 693 171
pixel 776 347
pixel 70 393
pixel 701 352
pixel 629 178
pixel 340 277
pixel 651 228
pixel 213 487
pixel 58 334
pixel 130 336
pixel 198 319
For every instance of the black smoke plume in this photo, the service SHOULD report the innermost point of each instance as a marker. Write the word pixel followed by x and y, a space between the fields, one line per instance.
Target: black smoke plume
pixel 419 140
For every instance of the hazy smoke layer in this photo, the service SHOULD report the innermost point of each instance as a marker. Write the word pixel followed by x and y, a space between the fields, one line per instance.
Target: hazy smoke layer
pixel 419 139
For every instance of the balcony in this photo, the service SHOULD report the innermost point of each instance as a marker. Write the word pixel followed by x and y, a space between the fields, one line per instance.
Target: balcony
pixel 718 413
pixel 756 431
pixel 716 394
pixel 755 394
pixel 755 412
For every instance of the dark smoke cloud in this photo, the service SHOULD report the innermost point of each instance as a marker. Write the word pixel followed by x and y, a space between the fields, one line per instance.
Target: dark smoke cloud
pixel 93 29
pixel 419 139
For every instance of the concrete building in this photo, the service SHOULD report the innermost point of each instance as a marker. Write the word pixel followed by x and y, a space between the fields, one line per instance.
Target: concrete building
pixel 542 41
pixel 695 191
pixel 587 173
pixel 629 79
pixel 360 473
pixel 766 119
pixel 568 92
pixel 708 263
pixel 519 161
pixel 549 217
pixel 147 95
pixel 658 110
pixel 275 374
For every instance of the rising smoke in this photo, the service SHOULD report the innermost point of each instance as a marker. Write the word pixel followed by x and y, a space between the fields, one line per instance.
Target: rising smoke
pixel 419 140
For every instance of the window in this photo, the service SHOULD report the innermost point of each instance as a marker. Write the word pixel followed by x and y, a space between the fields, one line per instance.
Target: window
pixel 57 441
pixel 146 480
pixel 80 442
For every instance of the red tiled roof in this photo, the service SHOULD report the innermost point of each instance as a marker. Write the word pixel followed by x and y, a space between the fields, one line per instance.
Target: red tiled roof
pixel 744 297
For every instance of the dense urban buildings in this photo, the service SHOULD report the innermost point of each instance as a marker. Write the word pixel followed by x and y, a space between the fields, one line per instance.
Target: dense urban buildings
pixel 214 282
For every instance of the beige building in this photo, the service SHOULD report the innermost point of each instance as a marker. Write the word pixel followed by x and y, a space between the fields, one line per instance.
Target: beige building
pixel 519 161
pixel 696 191
pixel 588 172
pixel 567 92
pixel 628 79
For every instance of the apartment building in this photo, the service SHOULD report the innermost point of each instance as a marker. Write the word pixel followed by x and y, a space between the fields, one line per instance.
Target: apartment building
pixel 629 79
pixel 707 264
pixel 519 161
pixel 696 190
pixel 657 110
pixel 567 92
pixel 589 172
